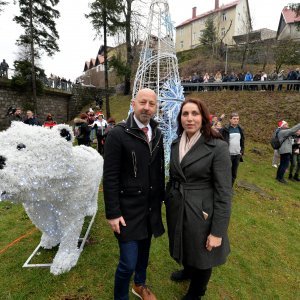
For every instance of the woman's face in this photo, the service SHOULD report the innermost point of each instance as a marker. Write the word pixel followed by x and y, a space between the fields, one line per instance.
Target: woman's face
pixel 191 119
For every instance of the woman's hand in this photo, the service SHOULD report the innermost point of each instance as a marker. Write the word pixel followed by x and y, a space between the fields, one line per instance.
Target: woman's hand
pixel 213 242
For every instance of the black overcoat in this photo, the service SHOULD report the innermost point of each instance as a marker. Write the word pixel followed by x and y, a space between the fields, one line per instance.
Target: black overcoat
pixel 134 179
pixel 200 184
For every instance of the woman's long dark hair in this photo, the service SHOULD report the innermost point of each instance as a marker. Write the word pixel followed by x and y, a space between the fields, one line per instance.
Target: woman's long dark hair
pixel 206 129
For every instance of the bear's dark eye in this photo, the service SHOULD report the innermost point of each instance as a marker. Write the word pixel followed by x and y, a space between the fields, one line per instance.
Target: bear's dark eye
pixel 21 146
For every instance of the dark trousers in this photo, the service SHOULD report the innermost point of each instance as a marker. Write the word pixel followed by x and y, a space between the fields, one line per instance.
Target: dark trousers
pixel 284 164
pixel 199 280
pixel 134 256
pixel 235 161
pixel 295 164
pixel 100 139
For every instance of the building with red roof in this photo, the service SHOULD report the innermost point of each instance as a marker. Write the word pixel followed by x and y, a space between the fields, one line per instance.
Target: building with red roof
pixel 230 20
pixel 288 27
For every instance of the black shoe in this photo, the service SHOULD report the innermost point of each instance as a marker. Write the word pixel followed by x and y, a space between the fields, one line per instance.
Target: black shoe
pixel 290 176
pixel 282 180
pixel 180 275
pixel 190 297
pixel 296 178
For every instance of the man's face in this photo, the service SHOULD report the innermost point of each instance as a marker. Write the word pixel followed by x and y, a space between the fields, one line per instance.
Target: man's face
pixel 234 121
pixel 285 126
pixel 29 114
pixel 144 105
pixel 18 112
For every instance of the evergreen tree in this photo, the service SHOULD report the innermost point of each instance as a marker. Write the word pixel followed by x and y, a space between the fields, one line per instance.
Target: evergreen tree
pixel 296 8
pixel 2 3
pixel 37 18
pixel 104 16
pixel 209 35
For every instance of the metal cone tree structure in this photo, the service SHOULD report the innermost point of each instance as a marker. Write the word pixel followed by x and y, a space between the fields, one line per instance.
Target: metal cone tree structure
pixel 158 70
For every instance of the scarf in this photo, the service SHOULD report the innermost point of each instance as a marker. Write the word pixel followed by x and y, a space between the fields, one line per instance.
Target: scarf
pixel 186 144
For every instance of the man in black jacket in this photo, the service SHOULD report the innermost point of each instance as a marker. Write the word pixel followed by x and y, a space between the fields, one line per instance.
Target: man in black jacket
pixel 133 182
pixel 233 134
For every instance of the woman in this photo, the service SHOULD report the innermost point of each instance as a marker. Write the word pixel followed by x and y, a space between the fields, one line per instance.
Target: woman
pixel 198 197
pixel 49 122
pixel 82 130
pixel 100 124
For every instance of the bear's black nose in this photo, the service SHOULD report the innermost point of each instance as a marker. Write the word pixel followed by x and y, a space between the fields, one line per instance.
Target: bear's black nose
pixel 2 162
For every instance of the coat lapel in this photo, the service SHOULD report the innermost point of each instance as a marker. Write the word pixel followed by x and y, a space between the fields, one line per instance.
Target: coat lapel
pixel 175 159
pixel 198 151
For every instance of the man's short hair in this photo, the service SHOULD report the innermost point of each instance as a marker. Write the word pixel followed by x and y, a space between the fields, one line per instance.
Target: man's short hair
pixel 234 114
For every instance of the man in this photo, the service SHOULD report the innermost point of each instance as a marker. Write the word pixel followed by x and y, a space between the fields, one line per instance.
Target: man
pixel 133 182
pixel 31 119
pixel 233 134
pixel 295 160
pixel 4 68
pixel 17 115
pixel 285 150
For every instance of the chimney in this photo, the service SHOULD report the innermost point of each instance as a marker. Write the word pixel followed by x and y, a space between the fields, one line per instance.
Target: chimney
pixel 216 4
pixel 194 12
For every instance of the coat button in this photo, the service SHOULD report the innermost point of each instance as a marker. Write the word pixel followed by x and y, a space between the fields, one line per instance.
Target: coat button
pixel 150 208
pixel 122 192
pixel 139 192
pixel 150 187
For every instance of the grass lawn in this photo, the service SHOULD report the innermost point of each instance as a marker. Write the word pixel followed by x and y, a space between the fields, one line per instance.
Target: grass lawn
pixel 263 264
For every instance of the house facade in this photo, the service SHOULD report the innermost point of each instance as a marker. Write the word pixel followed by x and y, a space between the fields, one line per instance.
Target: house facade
pixel 288 28
pixel 230 20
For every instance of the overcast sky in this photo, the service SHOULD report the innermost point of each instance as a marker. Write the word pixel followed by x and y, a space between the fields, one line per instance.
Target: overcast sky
pixel 77 42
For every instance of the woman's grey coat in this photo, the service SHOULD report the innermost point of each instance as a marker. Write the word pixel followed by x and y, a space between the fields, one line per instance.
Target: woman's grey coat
pixel 200 184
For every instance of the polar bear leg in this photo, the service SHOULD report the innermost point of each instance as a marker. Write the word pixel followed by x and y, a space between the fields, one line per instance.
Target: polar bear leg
pixel 93 203
pixel 68 252
pixel 43 216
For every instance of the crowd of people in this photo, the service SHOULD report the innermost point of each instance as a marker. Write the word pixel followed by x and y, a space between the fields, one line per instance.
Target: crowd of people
pixel 204 161
pixel 91 125
pixel 260 76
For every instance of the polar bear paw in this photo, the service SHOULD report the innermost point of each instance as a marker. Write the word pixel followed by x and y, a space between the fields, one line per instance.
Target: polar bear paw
pixel 64 261
pixel 48 242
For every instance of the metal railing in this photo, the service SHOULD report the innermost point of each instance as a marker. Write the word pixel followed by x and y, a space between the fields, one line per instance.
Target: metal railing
pixel 290 85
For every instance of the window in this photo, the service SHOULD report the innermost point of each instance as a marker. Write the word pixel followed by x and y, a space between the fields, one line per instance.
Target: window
pixel 181 45
pixel 181 31
pixel 223 31
pixel 194 36
pixel 224 17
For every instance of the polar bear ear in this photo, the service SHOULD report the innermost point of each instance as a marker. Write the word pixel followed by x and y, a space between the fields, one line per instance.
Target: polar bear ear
pixel 65 131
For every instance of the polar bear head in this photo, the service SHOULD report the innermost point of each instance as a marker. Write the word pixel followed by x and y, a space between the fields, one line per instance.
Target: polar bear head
pixel 35 159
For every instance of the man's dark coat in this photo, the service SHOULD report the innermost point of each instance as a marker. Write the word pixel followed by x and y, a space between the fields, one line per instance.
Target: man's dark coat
pixel 133 179
pixel 200 183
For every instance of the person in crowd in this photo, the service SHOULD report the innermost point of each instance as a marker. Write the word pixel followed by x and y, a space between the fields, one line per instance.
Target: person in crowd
pixel 215 119
pixel 233 134
pixel 82 130
pixel 295 160
pixel 273 76
pixel 49 122
pixel 280 77
pixel 285 137
pixel 292 75
pixel 31 119
pixel 198 198
pixel 4 68
pixel 17 115
pixel 205 80
pixel 218 77
pixel 264 77
pixel 248 78
pixel 134 183
pixel 233 78
pixel 100 126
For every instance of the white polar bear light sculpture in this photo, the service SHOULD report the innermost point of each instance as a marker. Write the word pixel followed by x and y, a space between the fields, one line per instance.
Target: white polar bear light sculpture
pixel 56 182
